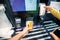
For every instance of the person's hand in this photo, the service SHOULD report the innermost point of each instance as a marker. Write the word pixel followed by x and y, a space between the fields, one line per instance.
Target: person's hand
pixel 54 36
pixel 47 8
pixel 25 31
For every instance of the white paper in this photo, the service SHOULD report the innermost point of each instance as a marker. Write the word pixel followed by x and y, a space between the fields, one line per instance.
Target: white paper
pixel 42 9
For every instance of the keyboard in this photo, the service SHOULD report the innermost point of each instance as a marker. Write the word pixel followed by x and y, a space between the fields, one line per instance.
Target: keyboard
pixel 41 32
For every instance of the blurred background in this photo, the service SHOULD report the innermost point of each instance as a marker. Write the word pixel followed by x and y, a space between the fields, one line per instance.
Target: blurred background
pixel 19 11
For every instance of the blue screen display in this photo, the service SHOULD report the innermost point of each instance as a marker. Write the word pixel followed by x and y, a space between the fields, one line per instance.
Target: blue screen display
pixel 23 5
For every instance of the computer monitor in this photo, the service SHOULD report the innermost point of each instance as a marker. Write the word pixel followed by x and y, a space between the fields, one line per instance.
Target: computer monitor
pixel 23 5
pixel 24 8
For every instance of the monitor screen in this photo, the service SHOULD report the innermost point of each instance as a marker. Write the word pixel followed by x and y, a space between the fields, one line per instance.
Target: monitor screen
pixel 23 5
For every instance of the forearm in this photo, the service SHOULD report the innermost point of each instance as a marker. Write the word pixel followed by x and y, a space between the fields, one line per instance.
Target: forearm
pixel 17 37
pixel 55 13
